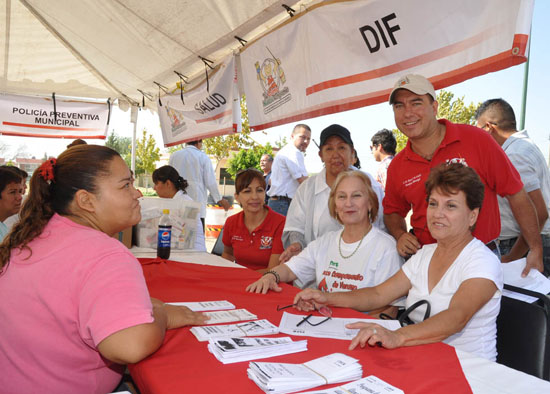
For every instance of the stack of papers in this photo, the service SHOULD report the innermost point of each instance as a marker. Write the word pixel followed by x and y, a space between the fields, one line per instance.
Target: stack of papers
pixel 279 378
pixel 229 316
pixel 248 329
pixel 234 350
pixel 202 306
pixel 534 281
pixel 369 385
pixel 334 328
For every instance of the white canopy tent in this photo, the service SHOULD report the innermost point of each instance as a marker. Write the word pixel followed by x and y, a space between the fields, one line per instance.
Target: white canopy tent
pixel 136 51
pixel 120 49
pixel 112 48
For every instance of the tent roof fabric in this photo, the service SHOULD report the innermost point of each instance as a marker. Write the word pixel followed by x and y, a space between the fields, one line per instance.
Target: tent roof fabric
pixel 112 48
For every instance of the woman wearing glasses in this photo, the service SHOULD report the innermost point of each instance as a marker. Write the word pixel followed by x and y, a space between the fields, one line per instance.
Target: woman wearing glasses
pixel 75 304
pixel 357 256
pixel 169 184
pixel 459 276
pixel 252 237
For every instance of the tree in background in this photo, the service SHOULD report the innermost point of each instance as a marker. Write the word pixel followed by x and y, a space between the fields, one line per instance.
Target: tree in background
pixel 454 110
pixel 219 147
pixel 123 145
pixel 147 154
pixel 248 158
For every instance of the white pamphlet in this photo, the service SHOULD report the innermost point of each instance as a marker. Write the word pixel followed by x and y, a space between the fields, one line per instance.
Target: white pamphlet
pixel 233 350
pixel 369 385
pixel 229 316
pixel 534 281
pixel 334 328
pixel 247 329
pixel 280 378
pixel 202 306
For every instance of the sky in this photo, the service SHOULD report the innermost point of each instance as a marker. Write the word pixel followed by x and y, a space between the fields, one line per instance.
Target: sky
pixel 364 122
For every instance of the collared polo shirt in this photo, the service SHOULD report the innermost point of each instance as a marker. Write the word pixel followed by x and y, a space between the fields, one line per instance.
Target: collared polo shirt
pixel 253 249
pixel 531 165
pixel 408 172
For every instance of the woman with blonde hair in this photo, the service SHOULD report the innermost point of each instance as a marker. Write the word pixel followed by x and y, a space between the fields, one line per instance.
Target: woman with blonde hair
pixel 357 256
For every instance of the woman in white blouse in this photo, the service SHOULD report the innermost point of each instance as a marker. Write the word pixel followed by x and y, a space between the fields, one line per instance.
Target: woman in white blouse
pixel 308 217
pixel 359 255
pixel 459 276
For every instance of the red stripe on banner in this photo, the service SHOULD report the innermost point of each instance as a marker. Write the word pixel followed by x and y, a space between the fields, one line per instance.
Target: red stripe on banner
pixel 35 126
pixel 215 133
pixel 22 134
pixel 491 64
pixel 519 46
pixel 218 116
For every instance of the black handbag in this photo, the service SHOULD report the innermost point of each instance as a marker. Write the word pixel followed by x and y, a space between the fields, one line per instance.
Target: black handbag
pixel 403 314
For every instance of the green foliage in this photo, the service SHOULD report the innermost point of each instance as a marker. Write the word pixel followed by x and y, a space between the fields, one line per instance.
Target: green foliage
pixel 454 110
pixel 401 140
pixel 248 158
pixel 281 142
pixel 123 145
pixel 219 147
pixel 147 154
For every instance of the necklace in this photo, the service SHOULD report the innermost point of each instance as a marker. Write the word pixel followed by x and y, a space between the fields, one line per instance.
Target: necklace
pixel 356 248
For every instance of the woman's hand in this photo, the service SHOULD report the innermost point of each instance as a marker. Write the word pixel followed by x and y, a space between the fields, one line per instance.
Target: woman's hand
pixel 310 299
pixel 264 284
pixel 374 334
pixel 179 316
pixel 293 250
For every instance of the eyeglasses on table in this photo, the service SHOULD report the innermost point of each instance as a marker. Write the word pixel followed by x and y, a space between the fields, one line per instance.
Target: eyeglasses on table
pixel 324 311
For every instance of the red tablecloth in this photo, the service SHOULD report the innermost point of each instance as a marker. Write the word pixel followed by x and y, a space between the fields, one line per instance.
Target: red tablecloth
pixel 184 365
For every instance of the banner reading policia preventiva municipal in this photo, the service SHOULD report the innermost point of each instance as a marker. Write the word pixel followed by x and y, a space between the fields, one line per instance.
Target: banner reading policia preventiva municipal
pixel 342 55
pixel 38 117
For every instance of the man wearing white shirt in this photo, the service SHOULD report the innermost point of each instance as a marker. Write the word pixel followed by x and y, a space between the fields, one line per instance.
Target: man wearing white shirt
pixel 289 170
pixel 497 117
pixel 195 167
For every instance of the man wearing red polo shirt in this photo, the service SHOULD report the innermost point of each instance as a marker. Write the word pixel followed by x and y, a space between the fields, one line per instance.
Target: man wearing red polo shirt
pixel 432 142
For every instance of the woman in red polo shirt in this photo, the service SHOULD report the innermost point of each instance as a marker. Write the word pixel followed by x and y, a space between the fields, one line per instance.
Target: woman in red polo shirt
pixel 252 237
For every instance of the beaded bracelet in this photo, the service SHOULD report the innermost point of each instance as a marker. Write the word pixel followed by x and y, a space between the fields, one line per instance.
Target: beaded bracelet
pixel 277 277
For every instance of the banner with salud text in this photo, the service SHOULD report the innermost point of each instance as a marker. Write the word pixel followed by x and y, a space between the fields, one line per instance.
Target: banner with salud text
pixel 344 55
pixel 209 109
pixel 31 116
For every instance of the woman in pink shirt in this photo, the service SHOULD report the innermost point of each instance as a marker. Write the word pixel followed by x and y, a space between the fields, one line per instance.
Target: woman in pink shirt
pixel 75 305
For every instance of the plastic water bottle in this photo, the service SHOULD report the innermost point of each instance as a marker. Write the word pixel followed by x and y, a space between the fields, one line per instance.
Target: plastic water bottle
pixel 164 235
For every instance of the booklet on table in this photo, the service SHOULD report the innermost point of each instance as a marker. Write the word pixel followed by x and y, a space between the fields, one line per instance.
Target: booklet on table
pixel 246 329
pixel 334 328
pixel 229 316
pixel 202 306
pixel 281 378
pixel 234 350
pixel 369 385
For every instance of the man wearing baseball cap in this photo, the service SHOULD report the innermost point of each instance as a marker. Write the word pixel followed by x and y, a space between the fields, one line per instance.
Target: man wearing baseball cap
pixel 431 142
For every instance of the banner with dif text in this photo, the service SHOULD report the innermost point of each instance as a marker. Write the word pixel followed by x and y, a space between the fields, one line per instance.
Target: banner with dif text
pixel 209 109
pixel 31 116
pixel 348 54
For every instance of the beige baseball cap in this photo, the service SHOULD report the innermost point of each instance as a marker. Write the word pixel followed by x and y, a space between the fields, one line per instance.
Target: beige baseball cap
pixel 415 83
